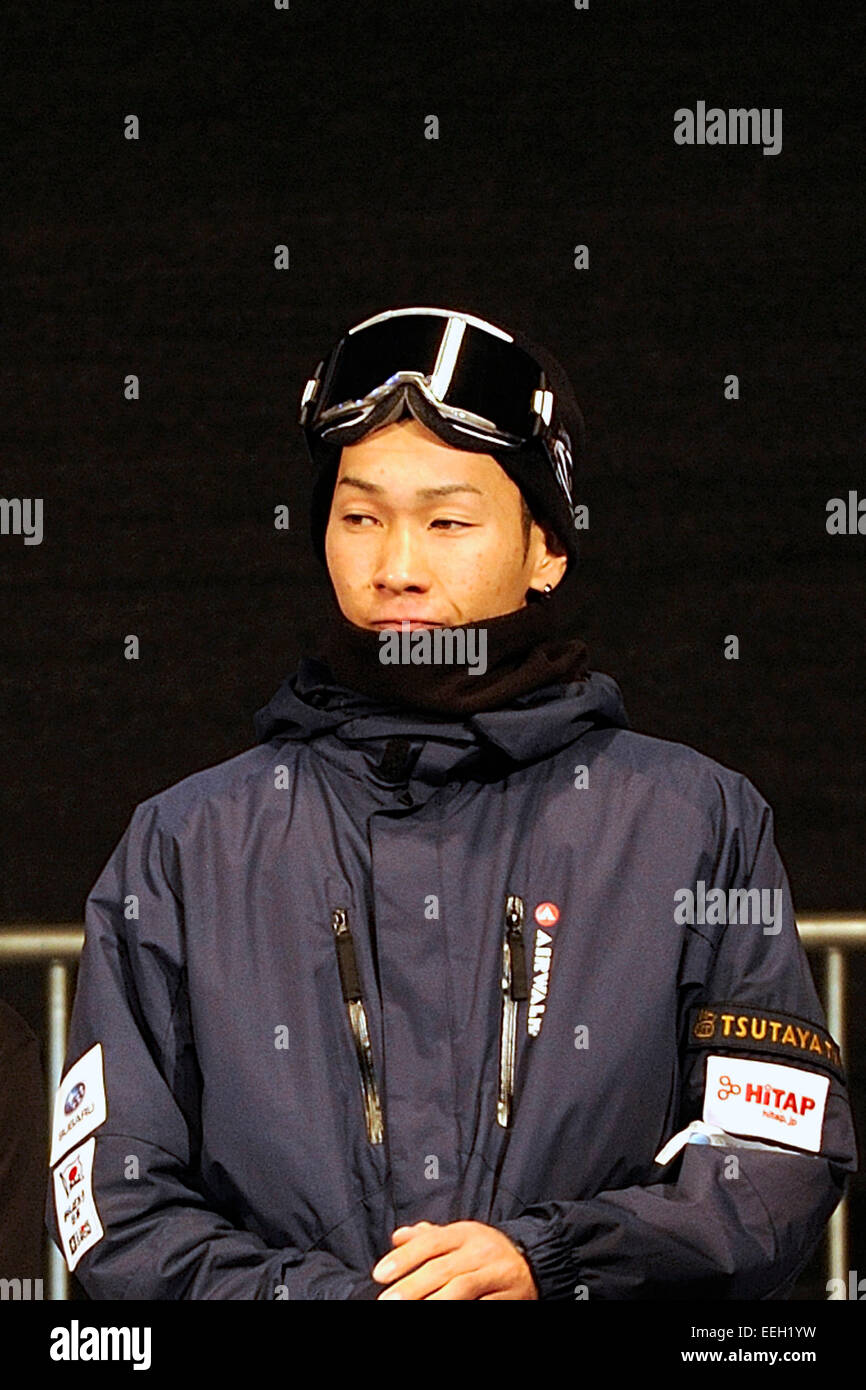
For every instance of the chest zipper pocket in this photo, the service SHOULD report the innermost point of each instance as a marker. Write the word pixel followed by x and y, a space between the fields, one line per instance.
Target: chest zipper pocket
pixel 514 988
pixel 350 981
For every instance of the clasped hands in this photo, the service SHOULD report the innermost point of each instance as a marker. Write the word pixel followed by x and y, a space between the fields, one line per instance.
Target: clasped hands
pixel 460 1260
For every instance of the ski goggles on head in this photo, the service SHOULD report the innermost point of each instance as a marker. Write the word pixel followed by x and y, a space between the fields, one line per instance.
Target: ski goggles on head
pixel 467 379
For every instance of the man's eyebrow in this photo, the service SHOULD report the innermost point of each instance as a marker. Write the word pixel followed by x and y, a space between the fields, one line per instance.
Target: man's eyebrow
pixel 443 491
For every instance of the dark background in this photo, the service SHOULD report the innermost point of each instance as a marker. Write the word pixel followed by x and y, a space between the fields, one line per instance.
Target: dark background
pixel 306 127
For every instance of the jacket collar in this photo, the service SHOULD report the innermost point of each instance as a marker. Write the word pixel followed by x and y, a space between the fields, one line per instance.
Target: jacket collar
pixel 309 705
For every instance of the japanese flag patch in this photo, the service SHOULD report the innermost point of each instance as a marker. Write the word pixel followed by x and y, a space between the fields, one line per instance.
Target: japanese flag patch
pixel 79 1103
pixel 78 1222
pixel 767 1100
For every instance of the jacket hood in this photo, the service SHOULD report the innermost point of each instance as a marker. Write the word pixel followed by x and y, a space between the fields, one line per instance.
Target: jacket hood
pixel 311 705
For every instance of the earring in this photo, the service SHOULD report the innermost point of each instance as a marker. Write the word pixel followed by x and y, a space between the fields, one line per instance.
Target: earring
pixel 548 590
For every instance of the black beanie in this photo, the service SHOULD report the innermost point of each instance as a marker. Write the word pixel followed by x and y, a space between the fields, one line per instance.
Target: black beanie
pixel 528 467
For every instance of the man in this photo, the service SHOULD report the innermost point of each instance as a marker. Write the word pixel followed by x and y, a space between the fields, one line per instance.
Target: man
pixel 454 987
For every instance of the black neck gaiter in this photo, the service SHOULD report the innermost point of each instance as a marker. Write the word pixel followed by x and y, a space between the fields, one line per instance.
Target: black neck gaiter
pixel 532 647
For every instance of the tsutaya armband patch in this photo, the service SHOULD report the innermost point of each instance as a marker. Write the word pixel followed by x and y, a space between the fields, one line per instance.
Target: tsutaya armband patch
pixel 743 1028
pixel 78 1222
pixel 79 1103
pixel 762 1098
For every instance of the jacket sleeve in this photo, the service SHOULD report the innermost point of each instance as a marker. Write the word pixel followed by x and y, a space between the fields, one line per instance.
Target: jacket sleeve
pixel 133 1176
pixel 722 1219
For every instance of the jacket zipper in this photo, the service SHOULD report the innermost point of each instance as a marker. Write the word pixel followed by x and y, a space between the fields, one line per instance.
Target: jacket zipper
pixel 514 989
pixel 350 980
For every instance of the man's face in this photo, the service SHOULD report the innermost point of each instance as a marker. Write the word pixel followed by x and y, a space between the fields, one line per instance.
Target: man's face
pixel 418 529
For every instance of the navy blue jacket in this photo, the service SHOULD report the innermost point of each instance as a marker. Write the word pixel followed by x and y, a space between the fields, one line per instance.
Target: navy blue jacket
pixel 391 967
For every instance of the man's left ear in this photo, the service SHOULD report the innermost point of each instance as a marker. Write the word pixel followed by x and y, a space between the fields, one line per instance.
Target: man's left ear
pixel 552 569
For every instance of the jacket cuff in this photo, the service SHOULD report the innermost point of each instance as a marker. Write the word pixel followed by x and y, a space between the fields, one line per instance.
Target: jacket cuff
pixel 547 1252
pixel 366 1289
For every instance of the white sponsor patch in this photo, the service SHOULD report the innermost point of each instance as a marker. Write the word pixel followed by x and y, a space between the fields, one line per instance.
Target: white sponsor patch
pixel 79 1103
pixel 78 1223
pixel 765 1099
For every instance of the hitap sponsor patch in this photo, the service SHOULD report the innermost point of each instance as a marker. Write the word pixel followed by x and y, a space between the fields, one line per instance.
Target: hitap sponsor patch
pixel 79 1104
pixel 767 1100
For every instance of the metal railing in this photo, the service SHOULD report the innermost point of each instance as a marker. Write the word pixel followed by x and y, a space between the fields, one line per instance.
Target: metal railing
pixel 833 933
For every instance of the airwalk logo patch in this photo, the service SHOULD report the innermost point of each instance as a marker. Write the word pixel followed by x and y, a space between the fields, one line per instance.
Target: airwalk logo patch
pixel 541 962
pixel 546 914
pixel 745 1029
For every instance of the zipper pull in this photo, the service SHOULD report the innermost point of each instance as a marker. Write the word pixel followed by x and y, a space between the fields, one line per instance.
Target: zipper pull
pixel 514 912
pixel 514 988
pixel 346 960
pixel 350 981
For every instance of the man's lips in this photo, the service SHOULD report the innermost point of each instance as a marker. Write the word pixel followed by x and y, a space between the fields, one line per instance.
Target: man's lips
pixel 412 622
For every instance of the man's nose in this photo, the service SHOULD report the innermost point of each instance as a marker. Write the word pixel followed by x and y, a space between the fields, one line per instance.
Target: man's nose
pixel 401 562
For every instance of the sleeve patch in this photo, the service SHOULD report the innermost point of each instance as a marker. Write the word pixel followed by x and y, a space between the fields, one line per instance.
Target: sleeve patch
pixel 742 1028
pixel 78 1222
pixel 79 1103
pixel 766 1100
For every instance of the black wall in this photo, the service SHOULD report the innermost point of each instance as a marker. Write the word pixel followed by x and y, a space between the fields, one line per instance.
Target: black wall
pixel 306 127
